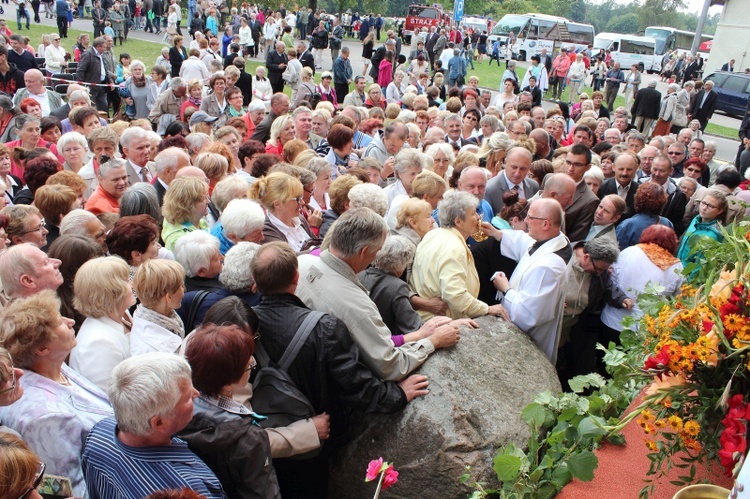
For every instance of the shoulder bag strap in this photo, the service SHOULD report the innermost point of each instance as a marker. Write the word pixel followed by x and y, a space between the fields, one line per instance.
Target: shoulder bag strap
pixel 194 306
pixel 299 339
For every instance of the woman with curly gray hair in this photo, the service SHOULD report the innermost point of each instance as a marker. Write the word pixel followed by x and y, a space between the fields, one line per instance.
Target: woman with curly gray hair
pixel 444 266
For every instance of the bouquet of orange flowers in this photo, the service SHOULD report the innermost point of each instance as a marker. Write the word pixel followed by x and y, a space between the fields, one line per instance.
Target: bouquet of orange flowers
pixel 691 352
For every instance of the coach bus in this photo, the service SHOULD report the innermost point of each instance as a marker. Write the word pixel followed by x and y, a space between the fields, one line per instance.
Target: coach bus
pixel 670 39
pixel 533 32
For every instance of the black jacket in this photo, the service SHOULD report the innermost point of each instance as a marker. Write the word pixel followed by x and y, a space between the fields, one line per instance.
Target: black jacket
pixel 307 60
pixel 647 103
pixel 609 186
pixel 176 60
pixel 12 81
pixel 674 210
pixel 703 114
pixel 245 83
pixel 237 451
pixel 272 63
pixel 536 95
pixel 89 68
pixel 327 369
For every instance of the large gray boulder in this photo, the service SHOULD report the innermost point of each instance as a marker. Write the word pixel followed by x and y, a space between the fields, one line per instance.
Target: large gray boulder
pixel 477 392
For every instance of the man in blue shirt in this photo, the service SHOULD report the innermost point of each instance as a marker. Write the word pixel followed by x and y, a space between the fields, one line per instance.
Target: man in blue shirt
pixel 135 453
pixel 61 9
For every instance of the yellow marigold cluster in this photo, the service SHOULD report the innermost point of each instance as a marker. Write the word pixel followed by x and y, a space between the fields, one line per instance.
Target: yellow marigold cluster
pixel 688 431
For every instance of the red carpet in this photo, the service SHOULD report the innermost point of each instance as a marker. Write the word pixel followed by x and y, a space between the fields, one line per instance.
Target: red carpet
pixel 622 470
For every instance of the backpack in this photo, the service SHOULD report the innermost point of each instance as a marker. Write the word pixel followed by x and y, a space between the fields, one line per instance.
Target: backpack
pixel 315 96
pixel 275 395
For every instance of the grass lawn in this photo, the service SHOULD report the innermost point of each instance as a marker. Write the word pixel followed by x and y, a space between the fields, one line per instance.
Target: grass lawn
pixel 722 131
pixel 138 49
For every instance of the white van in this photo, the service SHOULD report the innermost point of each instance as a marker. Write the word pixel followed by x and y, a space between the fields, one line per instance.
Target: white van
pixel 629 50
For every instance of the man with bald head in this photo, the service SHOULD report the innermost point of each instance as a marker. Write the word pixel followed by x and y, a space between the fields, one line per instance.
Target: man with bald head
pixel 513 177
pixel 35 81
pixel 276 62
pixel 62 112
pixel 541 139
pixel 534 294
pixel 560 187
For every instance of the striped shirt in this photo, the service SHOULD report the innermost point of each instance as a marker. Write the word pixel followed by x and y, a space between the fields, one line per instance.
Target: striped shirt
pixel 114 470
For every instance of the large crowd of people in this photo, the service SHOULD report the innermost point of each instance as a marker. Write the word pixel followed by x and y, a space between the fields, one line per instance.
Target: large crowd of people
pixel 156 263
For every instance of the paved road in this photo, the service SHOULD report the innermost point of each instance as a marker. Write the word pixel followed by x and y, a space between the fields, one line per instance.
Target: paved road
pixel 726 151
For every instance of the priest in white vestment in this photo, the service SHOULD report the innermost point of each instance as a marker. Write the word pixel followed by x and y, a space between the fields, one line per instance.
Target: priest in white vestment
pixel 534 296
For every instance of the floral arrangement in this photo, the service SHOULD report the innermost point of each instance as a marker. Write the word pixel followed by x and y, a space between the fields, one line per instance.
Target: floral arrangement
pixel 687 358
pixel 691 354
pixel 384 472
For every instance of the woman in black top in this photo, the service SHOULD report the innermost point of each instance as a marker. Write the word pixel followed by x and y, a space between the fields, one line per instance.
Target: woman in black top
pixel 177 54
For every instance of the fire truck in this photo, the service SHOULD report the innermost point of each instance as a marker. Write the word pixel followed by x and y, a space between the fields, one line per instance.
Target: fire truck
pixel 424 16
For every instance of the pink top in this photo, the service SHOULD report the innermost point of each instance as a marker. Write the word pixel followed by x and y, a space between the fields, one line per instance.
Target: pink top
pixel 385 73
pixel 16 169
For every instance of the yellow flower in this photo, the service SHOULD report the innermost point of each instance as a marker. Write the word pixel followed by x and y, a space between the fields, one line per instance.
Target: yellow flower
pixel 675 423
pixel 647 415
pixel 692 428
pixel 651 445
pixel 660 423
pixel 692 445
pixel 733 322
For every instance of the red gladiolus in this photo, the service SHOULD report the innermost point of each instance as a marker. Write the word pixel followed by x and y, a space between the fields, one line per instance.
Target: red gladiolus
pixel 659 361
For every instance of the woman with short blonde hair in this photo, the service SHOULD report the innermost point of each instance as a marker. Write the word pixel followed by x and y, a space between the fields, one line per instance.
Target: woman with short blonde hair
pixel 282 131
pixel 185 205
pixel 103 294
pixel 281 195
pixel 160 286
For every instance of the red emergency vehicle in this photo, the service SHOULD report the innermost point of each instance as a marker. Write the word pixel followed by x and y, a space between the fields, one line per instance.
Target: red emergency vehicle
pixel 424 16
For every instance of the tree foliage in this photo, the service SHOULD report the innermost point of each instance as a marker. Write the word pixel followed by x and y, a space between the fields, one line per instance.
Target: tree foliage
pixel 625 23
pixel 606 15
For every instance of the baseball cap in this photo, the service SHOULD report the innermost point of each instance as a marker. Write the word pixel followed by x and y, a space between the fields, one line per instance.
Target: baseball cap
pixel 200 117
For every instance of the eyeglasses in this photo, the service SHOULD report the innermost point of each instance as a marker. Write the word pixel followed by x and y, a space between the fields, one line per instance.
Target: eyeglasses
pixel 298 199
pixel 472 118
pixel 42 225
pixel 694 170
pixel 599 271
pixel 675 153
pixel 12 375
pixel 708 205
pixel 37 481
pixel 529 217
pixel 574 165
pixel 253 364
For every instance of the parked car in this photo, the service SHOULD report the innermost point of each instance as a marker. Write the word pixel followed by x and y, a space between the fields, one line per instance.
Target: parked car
pixel 733 90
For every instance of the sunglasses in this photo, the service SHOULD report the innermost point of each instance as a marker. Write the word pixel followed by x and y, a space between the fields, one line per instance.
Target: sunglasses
pixel 37 481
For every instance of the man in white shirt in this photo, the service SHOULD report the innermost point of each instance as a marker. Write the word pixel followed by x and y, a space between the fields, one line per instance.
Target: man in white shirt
pixel 136 147
pixel 34 80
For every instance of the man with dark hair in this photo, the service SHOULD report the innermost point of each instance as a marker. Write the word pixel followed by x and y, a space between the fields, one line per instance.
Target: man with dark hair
pixel 580 214
pixel 661 173
pixel 11 78
pixel 22 58
pixel 533 89
pixel 92 69
pixel 327 370
pixel 623 183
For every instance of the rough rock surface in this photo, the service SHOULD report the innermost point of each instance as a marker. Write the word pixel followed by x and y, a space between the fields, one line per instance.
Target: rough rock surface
pixel 477 392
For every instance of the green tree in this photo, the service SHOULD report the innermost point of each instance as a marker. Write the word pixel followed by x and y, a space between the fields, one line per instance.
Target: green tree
pixel 578 10
pixel 659 12
pixel 511 7
pixel 626 23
